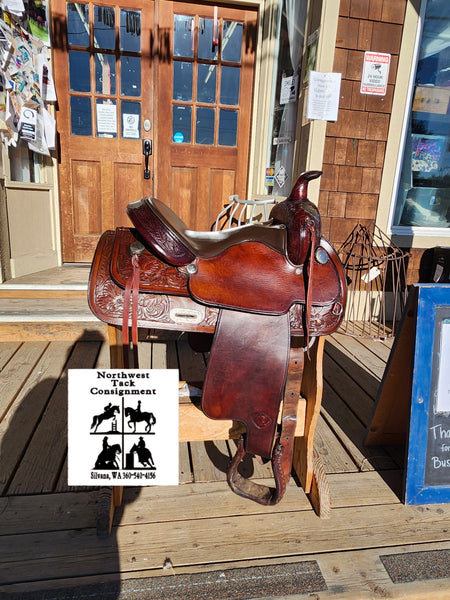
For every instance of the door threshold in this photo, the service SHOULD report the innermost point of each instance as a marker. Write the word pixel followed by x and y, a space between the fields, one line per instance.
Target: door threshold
pixel 69 276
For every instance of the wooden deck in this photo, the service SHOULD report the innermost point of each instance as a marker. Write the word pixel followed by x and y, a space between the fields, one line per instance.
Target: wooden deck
pixel 166 540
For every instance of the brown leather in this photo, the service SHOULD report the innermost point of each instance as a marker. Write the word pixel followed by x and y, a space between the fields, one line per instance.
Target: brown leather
pixel 166 293
pixel 281 458
pixel 169 237
pixel 156 276
pixel 254 278
pixel 300 216
pixel 246 374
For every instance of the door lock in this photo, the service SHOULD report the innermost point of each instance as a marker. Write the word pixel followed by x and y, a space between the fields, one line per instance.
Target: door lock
pixel 146 151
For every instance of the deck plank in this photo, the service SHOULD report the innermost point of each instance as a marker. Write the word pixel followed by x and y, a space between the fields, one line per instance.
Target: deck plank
pixel 44 457
pixel 62 511
pixel 19 424
pixel 208 541
pixel 351 433
pixel 334 457
pixel 209 460
pixel 7 350
pixel 16 371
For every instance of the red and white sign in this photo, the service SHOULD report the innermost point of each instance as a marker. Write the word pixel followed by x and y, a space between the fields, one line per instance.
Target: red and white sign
pixel 375 73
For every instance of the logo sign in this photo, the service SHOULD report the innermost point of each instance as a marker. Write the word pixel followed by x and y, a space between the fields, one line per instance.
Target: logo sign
pixel 123 427
pixel 375 73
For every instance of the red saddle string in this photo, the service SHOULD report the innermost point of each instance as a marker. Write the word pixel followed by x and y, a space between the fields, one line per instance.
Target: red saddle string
pixel 131 297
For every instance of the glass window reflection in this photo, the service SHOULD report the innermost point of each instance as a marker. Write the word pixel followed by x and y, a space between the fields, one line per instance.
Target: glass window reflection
pixel 229 85
pixel 206 83
pixel 78 24
pixel 183 35
pixel 228 127
pixel 105 74
pixel 130 30
pixel 206 50
pixel 204 132
pixel 232 41
pixel 80 115
pixel 423 196
pixel 130 75
pixel 104 27
pixel 182 80
pixel 79 73
pixel 181 124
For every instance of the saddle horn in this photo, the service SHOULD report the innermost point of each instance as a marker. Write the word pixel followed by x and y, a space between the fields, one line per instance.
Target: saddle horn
pixel 301 218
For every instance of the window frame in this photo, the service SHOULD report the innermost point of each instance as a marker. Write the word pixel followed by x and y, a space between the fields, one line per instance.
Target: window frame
pixel 422 236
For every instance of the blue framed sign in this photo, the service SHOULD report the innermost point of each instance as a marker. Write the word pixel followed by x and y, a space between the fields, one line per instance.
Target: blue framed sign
pixel 428 448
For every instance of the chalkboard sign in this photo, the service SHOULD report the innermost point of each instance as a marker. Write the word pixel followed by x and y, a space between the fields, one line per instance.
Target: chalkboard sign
pixel 428 448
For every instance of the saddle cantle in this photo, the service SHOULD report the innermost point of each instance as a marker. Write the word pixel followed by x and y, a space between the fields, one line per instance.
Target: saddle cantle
pixel 255 286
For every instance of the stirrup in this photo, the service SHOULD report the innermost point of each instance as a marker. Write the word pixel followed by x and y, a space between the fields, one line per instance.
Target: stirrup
pixel 262 494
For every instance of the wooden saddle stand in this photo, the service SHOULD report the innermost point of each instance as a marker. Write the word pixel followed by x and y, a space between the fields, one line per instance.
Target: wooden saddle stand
pixel 266 291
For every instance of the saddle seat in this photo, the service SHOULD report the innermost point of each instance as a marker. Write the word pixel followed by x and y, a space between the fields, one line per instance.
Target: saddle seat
pixel 161 229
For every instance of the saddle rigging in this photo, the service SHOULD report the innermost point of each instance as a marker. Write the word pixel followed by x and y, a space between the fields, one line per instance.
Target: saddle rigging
pixel 255 286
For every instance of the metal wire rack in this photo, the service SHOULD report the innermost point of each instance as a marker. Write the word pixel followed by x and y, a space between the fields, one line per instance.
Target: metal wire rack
pixel 376 278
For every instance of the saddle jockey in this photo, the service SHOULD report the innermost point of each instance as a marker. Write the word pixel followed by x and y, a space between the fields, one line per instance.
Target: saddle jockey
pixel 138 407
pixel 141 443
pixel 105 443
pixel 107 407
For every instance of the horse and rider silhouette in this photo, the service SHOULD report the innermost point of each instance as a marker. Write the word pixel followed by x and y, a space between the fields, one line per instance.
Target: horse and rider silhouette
pixel 107 459
pixel 109 412
pixel 135 415
pixel 143 453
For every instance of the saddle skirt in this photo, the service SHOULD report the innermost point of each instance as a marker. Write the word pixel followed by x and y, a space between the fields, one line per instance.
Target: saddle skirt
pixel 254 286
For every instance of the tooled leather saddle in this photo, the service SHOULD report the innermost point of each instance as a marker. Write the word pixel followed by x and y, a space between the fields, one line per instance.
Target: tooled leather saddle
pixel 255 286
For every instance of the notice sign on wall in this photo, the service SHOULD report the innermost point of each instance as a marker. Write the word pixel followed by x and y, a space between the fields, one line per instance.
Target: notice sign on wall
pixel 375 73
pixel 123 427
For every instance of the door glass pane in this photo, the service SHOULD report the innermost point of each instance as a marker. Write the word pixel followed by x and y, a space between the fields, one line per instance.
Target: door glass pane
pixel 79 74
pixel 183 35
pixel 105 74
pixel 228 127
pixel 232 41
pixel 229 85
pixel 423 196
pixel 131 116
pixel 130 75
pixel 181 124
pixel 205 40
pixel 104 27
pixel 182 81
pixel 204 132
pixel 77 24
pixel 80 115
pixel 130 30
pixel 106 114
pixel 206 83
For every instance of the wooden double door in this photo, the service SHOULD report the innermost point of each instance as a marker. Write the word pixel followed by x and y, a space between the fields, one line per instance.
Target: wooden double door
pixel 170 78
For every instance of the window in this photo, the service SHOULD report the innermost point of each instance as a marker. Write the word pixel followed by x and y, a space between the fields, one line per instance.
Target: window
pixel 25 166
pixel 423 195
pixel 280 154
pixel 206 80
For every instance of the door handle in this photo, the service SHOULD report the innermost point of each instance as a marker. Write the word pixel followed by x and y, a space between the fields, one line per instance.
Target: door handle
pixel 146 151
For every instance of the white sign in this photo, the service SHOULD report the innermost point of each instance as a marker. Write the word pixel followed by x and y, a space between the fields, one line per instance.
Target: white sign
pixel 443 387
pixel 130 126
pixel 106 118
pixel 323 96
pixel 123 427
pixel 375 73
pixel 289 89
